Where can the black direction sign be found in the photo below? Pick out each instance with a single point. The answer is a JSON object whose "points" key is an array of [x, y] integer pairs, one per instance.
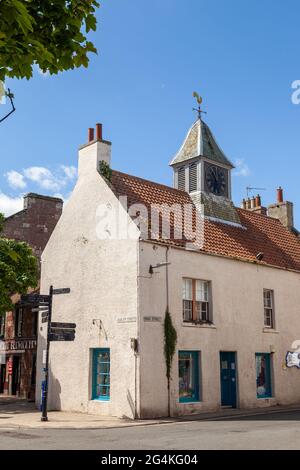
{"points": [[35, 298], [65, 290], [61, 336], [63, 325], [59, 331]]}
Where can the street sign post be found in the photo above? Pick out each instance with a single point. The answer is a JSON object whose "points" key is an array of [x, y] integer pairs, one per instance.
{"points": [[55, 332]]}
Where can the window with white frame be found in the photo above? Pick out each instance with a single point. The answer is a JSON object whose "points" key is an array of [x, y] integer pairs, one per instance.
{"points": [[268, 308], [196, 301]]}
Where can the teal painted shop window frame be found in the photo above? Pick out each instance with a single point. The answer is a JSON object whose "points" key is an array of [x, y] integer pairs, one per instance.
{"points": [[96, 353], [268, 393], [195, 376]]}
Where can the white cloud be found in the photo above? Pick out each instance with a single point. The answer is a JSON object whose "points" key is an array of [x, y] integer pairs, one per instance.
{"points": [[58, 183], [10, 205], [16, 180], [241, 168], [46, 179], [69, 171]]}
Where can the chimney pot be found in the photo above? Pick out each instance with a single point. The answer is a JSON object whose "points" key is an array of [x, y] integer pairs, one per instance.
{"points": [[99, 131], [90, 134], [279, 194], [243, 205], [252, 203], [258, 201]]}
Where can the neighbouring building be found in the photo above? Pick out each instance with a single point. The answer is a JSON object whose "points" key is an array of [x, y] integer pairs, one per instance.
{"points": [[18, 329], [130, 249]]}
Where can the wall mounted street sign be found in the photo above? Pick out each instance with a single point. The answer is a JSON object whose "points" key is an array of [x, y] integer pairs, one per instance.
{"points": [[63, 325], [65, 290]]}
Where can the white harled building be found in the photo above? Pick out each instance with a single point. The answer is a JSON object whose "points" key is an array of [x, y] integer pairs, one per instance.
{"points": [[228, 276]]}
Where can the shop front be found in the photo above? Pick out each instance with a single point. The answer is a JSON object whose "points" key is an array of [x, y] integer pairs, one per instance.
{"points": [[19, 370]]}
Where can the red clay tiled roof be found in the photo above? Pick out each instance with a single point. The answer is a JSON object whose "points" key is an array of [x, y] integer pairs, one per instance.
{"points": [[259, 233]]}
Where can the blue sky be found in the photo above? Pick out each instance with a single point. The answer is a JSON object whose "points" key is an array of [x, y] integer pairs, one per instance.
{"points": [[241, 56]]}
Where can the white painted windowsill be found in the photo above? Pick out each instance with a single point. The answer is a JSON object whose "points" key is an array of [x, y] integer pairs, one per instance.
{"points": [[270, 330], [196, 325]]}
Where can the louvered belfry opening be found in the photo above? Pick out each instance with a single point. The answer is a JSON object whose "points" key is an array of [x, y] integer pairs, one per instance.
{"points": [[193, 183], [181, 179]]}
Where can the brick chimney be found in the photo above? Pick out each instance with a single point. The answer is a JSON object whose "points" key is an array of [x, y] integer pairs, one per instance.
{"points": [[254, 205], [93, 152], [282, 210]]}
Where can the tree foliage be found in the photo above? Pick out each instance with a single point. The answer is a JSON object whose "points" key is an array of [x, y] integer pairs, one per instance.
{"points": [[170, 343], [18, 269], [51, 34]]}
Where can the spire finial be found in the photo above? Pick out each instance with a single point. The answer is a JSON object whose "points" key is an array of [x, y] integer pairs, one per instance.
{"points": [[199, 101]]}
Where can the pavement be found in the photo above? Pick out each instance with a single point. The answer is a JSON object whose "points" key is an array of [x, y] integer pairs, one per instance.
{"points": [[19, 413]]}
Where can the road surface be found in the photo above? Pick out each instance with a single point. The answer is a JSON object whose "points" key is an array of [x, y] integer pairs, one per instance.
{"points": [[280, 430]]}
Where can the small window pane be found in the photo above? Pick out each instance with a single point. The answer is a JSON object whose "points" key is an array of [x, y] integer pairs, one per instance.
{"points": [[202, 291], [187, 289], [187, 310]]}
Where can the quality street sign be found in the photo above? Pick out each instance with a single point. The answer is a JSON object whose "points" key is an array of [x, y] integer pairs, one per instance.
{"points": [[65, 290]]}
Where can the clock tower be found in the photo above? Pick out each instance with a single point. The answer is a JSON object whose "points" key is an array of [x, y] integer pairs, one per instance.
{"points": [[202, 169]]}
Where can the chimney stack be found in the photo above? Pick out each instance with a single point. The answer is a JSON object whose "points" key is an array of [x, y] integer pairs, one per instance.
{"points": [[90, 134], [99, 132], [93, 152], [254, 205], [280, 195], [282, 210]]}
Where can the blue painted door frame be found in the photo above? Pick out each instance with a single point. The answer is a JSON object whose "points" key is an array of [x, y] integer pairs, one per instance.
{"points": [[228, 378]]}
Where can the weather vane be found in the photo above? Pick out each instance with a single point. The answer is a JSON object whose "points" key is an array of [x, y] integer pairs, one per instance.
{"points": [[199, 101]]}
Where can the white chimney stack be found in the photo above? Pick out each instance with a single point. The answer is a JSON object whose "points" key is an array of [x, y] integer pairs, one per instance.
{"points": [[92, 153]]}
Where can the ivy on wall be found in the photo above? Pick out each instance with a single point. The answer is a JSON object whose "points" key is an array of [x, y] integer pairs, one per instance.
{"points": [[170, 335], [105, 170]]}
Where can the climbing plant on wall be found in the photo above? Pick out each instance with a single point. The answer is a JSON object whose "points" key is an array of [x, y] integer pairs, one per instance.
{"points": [[170, 336]]}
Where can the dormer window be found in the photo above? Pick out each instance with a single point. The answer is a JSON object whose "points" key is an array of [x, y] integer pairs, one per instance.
{"points": [[181, 179], [193, 180]]}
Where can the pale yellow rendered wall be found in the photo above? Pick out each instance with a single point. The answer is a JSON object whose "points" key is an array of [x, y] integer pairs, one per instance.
{"points": [[238, 316]]}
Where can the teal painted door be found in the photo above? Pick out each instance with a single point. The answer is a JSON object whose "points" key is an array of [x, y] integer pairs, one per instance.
{"points": [[228, 378]]}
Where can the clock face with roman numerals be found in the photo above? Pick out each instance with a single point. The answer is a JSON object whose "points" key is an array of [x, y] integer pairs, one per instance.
{"points": [[216, 180]]}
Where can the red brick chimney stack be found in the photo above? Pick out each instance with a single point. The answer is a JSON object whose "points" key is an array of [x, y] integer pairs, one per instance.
{"points": [[258, 201], [99, 131], [280, 195], [90, 134], [282, 210]]}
